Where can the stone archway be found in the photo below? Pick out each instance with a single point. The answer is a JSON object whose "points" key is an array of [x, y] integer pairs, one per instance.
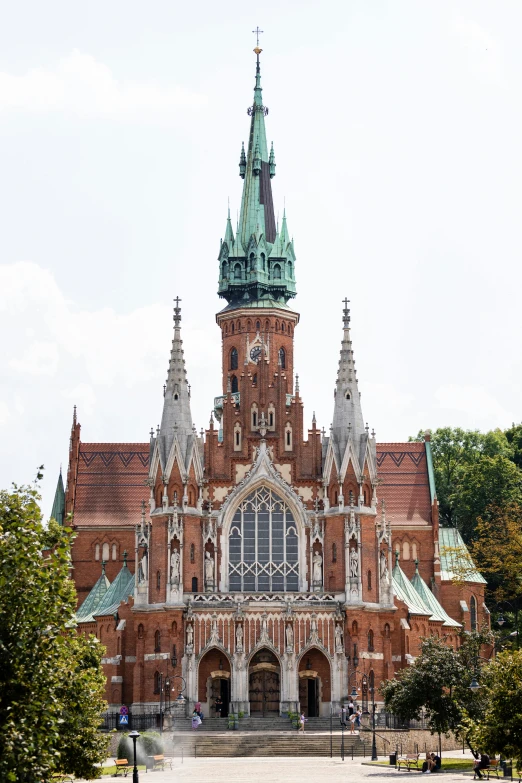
{"points": [[214, 681], [264, 684], [315, 683]]}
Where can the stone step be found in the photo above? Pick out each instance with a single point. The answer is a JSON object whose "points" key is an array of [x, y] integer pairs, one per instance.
{"points": [[275, 723], [246, 744]]}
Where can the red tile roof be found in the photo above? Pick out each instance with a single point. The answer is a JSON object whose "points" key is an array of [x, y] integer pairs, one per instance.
{"points": [[111, 483], [404, 485]]}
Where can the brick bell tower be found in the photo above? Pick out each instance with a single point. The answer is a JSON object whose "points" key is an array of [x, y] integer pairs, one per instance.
{"points": [[257, 279]]}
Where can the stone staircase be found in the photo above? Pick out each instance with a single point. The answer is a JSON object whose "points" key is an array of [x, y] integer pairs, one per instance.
{"points": [[263, 737]]}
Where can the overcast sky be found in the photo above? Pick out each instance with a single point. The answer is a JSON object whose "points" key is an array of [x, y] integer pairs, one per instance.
{"points": [[397, 130]]}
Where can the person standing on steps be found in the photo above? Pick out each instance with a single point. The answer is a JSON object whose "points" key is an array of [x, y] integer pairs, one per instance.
{"points": [[352, 719], [350, 707], [302, 721]]}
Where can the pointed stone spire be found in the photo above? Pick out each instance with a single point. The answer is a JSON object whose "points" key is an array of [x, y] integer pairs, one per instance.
{"points": [[229, 234], [176, 420], [58, 509], [348, 420]]}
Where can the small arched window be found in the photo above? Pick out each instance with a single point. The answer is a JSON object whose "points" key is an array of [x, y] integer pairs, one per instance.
{"points": [[347, 395], [233, 359], [157, 641], [288, 437], [114, 551], [283, 326], [194, 584], [282, 358], [369, 580], [174, 628], [252, 261], [355, 628], [237, 436], [234, 384], [258, 326], [156, 682], [224, 269], [158, 580], [406, 550], [387, 631], [370, 641], [336, 498], [277, 272], [232, 328], [105, 552], [263, 262], [414, 551], [97, 552], [237, 272], [254, 379], [334, 553], [289, 267], [140, 631], [254, 416], [473, 612], [192, 553]]}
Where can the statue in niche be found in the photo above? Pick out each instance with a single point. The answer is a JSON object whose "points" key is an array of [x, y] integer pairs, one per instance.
{"points": [[239, 637], [289, 633], [174, 567], [383, 566], [317, 571], [339, 645], [264, 627], [209, 570], [316, 531], [354, 562], [190, 635], [142, 568]]}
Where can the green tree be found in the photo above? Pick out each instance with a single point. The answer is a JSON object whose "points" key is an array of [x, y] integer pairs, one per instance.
{"points": [[437, 684], [514, 438], [50, 683], [499, 727]]}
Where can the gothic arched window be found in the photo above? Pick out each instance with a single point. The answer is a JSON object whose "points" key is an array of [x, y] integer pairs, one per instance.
{"points": [[263, 545], [233, 359], [157, 641], [277, 272], [105, 552], [334, 553], [237, 272], [156, 682], [235, 385], [282, 358], [370, 641], [473, 612]]}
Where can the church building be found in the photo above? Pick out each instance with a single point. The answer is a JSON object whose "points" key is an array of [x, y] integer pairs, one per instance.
{"points": [[270, 566]]}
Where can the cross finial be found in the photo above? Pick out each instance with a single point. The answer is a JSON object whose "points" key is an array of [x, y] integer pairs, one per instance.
{"points": [[177, 311], [346, 313], [257, 32]]}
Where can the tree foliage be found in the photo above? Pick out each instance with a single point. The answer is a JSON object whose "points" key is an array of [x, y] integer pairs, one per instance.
{"points": [[475, 470], [497, 551], [437, 684], [499, 728], [51, 684]]}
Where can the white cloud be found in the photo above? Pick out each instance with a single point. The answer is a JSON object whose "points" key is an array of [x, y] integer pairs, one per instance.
{"points": [[483, 54], [110, 347], [4, 413], [473, 403], [81, 85], [81, 395]]}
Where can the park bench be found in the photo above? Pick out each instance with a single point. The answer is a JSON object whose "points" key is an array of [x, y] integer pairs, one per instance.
{"points": [[494, 768], [123, 766], [409, 761], [160, 761]]}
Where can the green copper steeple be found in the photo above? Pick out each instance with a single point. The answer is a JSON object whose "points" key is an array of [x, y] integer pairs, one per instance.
{"points": [[257, 265]]}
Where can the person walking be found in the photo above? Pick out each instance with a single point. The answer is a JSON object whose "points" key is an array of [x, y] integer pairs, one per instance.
{"points": [[351, 707], [352, 719], [342, 716], [196, 720], [302, 721], [358, 714]]}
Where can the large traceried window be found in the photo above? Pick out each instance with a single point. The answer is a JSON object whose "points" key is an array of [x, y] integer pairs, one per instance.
{"points": [[263, 545]]}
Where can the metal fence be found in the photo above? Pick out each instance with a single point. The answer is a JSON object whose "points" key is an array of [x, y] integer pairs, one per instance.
{"points": [[136, 722]]}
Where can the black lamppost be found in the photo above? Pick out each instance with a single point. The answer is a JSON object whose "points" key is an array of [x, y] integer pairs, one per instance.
{"points": [[374, 743], [135, 776]]}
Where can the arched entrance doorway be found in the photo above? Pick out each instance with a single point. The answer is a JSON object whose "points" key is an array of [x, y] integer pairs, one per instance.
{"points": [[314, 684], [264, 688], [214, 683]]}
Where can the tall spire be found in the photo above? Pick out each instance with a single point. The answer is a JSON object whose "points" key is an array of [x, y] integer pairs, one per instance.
{"points": [[176, 418], [348, 420], [58, 510], [257, 264]]}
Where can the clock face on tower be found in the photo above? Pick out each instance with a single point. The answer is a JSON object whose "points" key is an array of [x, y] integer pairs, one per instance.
{"points": [[255, 353]]}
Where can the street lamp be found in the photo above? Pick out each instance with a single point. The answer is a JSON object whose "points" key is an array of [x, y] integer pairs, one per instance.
{"points": [[135, 777], [474, 686], [374, 743]]}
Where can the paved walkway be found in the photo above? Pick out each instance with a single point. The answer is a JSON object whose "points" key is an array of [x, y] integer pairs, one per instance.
{"points": [[280, 770]]}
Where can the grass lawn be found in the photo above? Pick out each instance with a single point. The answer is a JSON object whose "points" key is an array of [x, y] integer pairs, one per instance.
{"points": [[112, 769]]}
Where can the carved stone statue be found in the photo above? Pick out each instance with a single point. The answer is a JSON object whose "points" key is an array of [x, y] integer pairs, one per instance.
{"points": [[317, 572], [264, 627], [174, 567], [339, 646], [190, 635], [209, 570], [289, 632], [142, 568], [383, 566], [239, 637], [354, 562]]}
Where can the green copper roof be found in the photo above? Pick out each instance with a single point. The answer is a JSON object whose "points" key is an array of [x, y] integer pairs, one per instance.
{"points": [[257, 263], [455, 560], [93, 600], [58, 510], [429, 600], [119, 591], [405, 591]]}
